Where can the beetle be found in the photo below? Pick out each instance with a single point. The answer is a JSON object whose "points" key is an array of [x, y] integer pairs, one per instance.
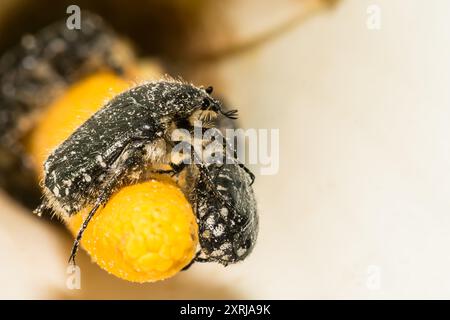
{"points": [[225, 206], [116, 145], [36, 71]]}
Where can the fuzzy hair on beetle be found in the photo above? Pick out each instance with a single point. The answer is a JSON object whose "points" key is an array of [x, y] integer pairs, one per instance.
{"points": [[119, 142], [39, 69]]}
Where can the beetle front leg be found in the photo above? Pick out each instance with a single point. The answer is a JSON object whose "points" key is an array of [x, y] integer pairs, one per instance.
{"points": [[101, 200], [119, 168], [175, 169]]}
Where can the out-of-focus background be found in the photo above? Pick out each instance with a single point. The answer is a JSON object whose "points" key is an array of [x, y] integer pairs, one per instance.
{"points": [[360, 207]]}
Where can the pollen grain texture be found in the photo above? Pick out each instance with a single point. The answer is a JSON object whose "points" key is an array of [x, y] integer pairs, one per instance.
{"points": [[146, 232]]}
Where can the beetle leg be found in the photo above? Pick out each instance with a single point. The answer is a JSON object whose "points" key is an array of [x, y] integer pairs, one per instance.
{"points": [[40, 209], [206, 176], [202, 260], [251, 174], [116, 175], [176, 169], [76, 243], [101, 200]]}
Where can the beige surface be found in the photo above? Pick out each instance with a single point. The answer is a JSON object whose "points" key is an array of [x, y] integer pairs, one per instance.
{"points": [[364, 182]]}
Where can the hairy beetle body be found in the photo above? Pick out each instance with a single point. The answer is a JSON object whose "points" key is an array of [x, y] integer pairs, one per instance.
{"points": [[118, 143]]}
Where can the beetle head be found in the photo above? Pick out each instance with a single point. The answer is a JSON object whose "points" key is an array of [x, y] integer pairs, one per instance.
{"points": [[196, 104]]}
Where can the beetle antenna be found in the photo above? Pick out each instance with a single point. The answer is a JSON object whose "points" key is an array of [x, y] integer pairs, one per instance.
{"points": [[231, 114]]}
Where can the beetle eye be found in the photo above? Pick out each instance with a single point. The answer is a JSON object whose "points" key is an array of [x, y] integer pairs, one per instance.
{"points": [[205, 104], [209, 90]]}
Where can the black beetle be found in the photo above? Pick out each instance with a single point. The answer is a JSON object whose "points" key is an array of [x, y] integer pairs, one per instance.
{"points": [[225, 205]]}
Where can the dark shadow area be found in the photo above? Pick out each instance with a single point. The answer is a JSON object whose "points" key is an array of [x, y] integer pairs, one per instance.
{"points": [[157, 27]]}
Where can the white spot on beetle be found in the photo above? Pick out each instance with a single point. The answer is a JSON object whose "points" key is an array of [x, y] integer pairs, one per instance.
{"points": [[218, 230], [217, 253], [241, 251], [100, 161], [56, 191], [210, 221], [224, 212], [224, 176], [225, 246]]}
